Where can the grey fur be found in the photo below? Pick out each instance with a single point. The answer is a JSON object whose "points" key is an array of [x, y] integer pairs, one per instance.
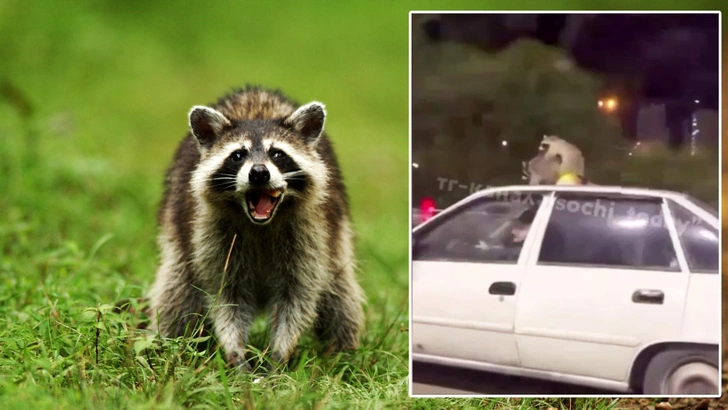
{"points": [[299, 264], [541, 171]]}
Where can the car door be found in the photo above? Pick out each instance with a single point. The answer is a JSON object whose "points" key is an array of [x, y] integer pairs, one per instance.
{"points": [[607, 280], [701, 244], [466, 274]]}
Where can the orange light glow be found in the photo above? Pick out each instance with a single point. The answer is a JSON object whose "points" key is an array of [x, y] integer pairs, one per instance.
{"points": [[609, 105]]}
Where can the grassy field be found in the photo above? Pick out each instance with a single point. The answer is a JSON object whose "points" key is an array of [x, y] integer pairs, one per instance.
{"points": [[93, 100]]}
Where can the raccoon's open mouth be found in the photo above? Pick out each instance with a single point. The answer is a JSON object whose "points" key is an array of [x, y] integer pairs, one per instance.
{"points": [[262, 203]]}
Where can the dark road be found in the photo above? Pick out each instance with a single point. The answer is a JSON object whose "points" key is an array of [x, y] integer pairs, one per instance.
{"points": [[442, 380]]}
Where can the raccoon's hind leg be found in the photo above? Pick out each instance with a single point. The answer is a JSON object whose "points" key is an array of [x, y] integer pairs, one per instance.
{"points": [[340, 313]]}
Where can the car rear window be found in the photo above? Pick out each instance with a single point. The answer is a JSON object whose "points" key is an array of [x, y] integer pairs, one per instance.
{"points": [[698, 239], [618, 232]]}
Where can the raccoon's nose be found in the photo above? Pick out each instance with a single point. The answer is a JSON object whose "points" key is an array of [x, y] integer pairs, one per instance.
{"points": [[259, 174]]}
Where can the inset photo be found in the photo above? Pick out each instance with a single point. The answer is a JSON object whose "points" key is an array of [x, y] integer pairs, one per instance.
{"points": [[565, 188]]}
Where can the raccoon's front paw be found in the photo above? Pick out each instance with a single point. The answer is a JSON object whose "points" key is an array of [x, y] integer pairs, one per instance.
{"points": [[278, 361], [269, 368], [238, 361]]}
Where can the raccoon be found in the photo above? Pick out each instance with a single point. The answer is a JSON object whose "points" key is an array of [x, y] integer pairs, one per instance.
{"points": [[558, 162], [565, 153], [255, 217]]}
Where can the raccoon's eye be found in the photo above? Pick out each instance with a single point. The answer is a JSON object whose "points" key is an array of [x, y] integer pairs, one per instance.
{"points": [[237, 155], [275, 153]]}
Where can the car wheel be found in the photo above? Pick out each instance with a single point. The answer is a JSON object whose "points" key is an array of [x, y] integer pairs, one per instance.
{"points": [[682, 372]]}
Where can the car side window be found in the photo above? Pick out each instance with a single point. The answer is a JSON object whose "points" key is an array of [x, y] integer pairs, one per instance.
{"points": [[698, 240], [487, 230], [619, 232]]}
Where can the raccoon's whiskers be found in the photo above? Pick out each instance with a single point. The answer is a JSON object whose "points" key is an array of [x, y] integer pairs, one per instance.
{"points": [[224, 176], [227, 186], [225, 181], [292, 174]]}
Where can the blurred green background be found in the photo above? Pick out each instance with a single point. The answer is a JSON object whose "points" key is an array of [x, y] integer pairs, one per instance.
{"points": [[94, 97], [93, 101]]}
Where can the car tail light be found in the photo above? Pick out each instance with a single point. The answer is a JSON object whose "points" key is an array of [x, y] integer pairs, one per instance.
{"points": [[427, 209]]}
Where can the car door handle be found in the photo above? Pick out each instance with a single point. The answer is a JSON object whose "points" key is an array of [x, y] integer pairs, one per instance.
{"points": [[502, 288], [650, 296]]}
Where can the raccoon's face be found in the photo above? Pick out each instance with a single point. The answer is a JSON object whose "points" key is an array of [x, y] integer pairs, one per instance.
{"points": [[257, 165], [547, 142]]}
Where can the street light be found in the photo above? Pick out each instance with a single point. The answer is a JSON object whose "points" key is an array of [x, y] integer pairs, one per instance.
{"points": [[609, 105]]}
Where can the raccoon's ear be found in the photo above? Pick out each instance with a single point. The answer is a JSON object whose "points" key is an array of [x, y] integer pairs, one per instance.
{"points": [[308, 121], [207, 124]]}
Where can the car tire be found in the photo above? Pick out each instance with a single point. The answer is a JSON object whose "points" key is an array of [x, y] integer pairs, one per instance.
{"points": [[683, 372]]}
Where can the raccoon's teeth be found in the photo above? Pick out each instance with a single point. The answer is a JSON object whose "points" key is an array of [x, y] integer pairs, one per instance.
{"points": [[275, 194]]}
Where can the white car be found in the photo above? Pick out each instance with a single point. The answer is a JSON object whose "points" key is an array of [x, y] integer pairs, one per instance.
{"points": [[609, 287]]}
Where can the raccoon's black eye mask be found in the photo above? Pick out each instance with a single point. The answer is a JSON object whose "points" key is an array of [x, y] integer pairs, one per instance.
{"points": [[238, 155], [276, 153]]}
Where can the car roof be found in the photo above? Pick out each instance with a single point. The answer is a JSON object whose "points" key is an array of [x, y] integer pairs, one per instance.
{"points": [[600, 189], [596, 189]]}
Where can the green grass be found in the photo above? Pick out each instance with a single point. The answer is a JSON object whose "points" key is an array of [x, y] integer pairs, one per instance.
{"points": [[108, 85]]}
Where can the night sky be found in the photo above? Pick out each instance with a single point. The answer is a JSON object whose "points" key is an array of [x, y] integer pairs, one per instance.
{"points": [[676, 55]]}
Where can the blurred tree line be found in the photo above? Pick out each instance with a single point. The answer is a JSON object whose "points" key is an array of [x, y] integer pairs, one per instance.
{"points": [[477, 115]]}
